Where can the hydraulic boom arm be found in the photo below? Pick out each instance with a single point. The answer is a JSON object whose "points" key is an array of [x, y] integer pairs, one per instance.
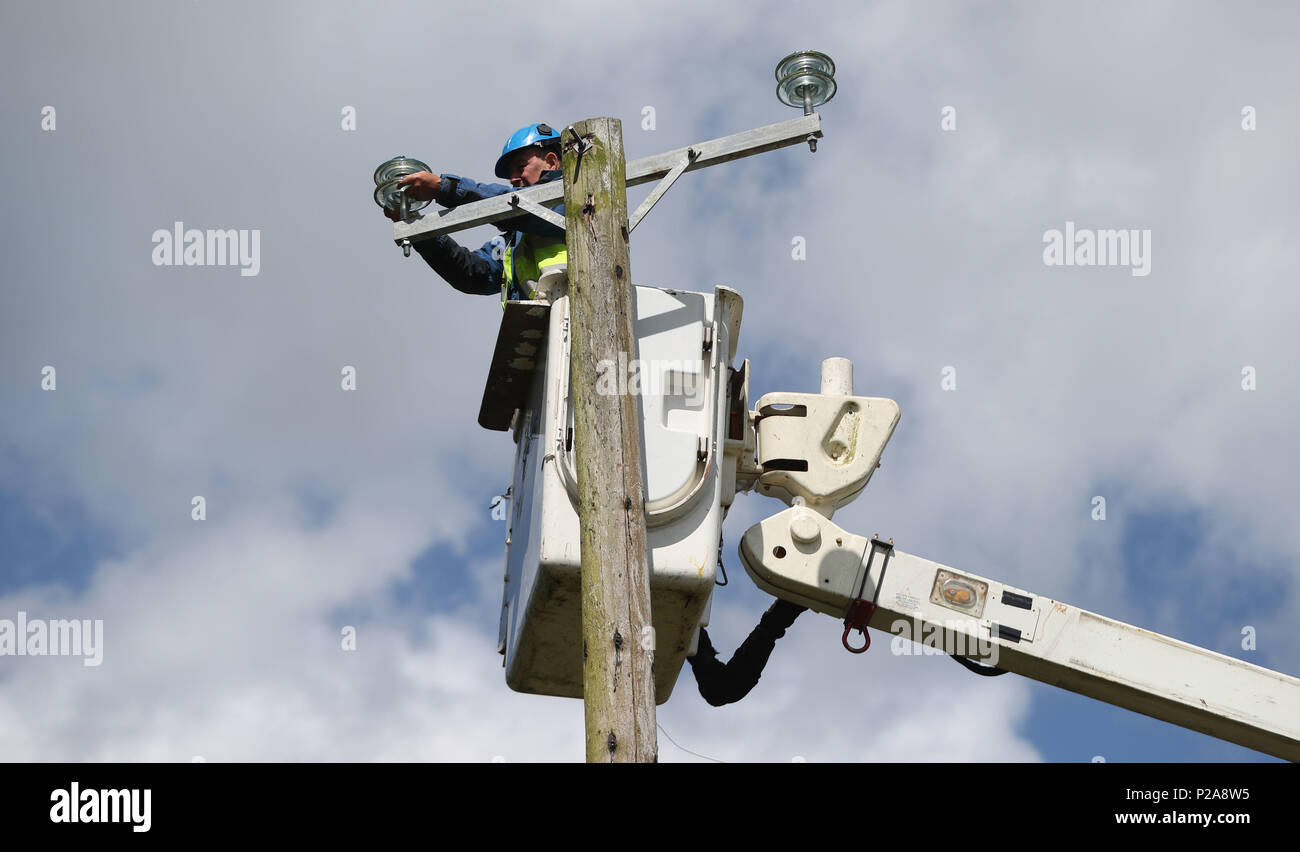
{"points": [[816, 452], [806, 558]]}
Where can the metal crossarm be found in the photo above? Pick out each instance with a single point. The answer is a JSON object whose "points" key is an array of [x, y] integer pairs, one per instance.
{"points": [[712, 153]]}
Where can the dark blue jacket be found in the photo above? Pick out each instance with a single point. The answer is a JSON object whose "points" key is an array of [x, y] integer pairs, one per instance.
{"points": [[479, 272]]}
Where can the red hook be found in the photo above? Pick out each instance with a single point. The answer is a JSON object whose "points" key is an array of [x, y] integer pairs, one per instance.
{"points": [[860, 612], [866, 641]]}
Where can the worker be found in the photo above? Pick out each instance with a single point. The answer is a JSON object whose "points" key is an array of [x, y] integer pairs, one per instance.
{"points": [[724, 683], [511, 264]]}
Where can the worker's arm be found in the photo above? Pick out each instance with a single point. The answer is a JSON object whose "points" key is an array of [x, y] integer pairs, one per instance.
{"points": [[474, 272], [724, 683], [454, 191]]}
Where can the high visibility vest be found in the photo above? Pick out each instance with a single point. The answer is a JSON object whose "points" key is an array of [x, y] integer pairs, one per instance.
{"points": [[525, 262]]}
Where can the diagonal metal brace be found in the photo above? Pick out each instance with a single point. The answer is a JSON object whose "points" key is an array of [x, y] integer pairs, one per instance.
{"points": [[653, 198], [537, 210]]}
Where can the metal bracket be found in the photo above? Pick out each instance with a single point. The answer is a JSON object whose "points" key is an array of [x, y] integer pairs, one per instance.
{"points": [[821, 447], [544, 213], [579, 144], [861, 610], [653, 198]]}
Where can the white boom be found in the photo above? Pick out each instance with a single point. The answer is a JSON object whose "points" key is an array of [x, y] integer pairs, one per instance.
{"points": [[816, 452], [826, 568]]}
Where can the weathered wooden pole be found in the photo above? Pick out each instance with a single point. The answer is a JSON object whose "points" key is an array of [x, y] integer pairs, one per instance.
{"points": [[617, 633]]}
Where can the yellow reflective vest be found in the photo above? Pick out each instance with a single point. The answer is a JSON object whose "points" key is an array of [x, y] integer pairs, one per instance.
{"points": [[525, 262]]}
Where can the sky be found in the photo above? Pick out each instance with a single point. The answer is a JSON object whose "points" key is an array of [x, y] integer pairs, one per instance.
{"points": [[960, 135]]}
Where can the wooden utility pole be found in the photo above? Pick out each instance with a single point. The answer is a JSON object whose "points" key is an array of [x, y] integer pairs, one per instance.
{"points": [[617, 633]]}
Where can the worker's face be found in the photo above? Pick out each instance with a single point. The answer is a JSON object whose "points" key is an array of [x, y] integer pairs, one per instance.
{"points": [[525, 167]]}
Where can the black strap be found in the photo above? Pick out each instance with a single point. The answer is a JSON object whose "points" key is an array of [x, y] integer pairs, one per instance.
{"points": [[983, 671]]}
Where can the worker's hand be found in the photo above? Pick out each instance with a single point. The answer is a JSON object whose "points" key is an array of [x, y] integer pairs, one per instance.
{"points": [[391, 214], [422, 186]]}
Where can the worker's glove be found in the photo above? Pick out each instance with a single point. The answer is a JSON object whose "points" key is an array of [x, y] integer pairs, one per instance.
{"points": [[422, 186], [779, 616]]}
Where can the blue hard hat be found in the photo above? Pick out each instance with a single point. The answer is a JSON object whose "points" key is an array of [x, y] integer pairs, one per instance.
{"points": [[524, 137]]}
